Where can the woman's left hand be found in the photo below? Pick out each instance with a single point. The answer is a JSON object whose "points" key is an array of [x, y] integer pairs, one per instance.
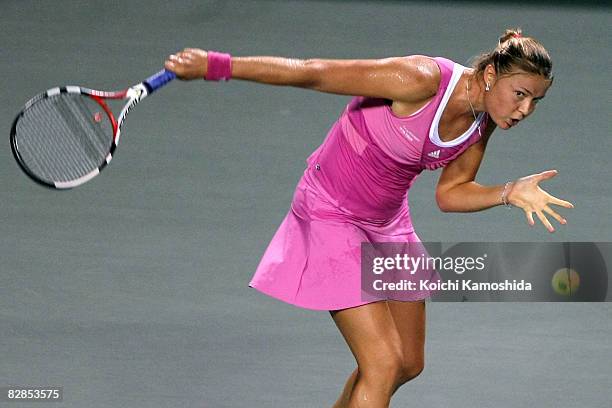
{"points": [[527, 194]]}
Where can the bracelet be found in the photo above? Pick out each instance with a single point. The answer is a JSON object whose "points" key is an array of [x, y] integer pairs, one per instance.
{"points": [[219, 66], [503, 196]]}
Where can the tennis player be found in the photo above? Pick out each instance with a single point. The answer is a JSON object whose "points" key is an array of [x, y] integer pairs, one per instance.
{"points": [[409, 114]]}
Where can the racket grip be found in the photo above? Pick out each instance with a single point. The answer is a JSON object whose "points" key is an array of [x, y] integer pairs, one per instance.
{"points": [[158, 80]]}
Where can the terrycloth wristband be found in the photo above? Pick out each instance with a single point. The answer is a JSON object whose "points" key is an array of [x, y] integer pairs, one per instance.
{"points": [[219, 66]]}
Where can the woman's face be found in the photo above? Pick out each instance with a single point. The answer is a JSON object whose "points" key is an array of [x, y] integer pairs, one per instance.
{"points": [[513, 97]]}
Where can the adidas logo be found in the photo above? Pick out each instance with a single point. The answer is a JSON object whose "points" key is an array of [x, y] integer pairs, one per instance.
{"points": [[435, 154]]}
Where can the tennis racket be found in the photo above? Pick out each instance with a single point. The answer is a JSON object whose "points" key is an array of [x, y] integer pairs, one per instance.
{"points": [[65, 136]]}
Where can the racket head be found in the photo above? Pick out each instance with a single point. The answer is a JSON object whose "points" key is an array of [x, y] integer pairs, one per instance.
{"points": [[65, 136]]}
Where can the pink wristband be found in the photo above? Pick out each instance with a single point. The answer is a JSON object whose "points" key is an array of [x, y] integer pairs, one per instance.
{"points": [[219, 66]]}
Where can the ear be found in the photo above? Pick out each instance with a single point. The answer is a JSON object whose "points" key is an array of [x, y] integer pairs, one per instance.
{"points": [[489, 74]]}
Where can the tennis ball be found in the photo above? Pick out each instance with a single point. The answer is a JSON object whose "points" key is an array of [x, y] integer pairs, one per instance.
{"points": [[566, 281]]}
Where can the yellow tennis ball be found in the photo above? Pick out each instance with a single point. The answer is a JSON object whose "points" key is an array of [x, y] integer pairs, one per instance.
{"points": [[566, 281]]}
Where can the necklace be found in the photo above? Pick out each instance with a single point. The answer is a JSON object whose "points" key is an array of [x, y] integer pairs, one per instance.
{"points": [[467, 92]]}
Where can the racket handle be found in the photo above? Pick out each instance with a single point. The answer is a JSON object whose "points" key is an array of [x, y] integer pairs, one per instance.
{"points": [[158, 80]]}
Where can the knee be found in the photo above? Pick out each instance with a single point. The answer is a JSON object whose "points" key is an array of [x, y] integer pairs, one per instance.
{"points": [[410, 369], [386, 371], [394, 370]]}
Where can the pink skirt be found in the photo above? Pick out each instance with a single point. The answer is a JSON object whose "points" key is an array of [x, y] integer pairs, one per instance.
{"points": [[314, 258]]}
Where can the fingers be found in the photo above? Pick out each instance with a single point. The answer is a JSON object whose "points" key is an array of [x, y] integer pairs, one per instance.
{"points": [[529, 215], [179, 63], [545, 221], [181, 57], [559, 202], [533, 199], [556, 216], [190, 63], [547, 174], [174, 60], [172, 63], [169, 65], [191, 54]]}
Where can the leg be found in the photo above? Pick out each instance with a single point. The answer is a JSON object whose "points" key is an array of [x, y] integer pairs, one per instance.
{"points": [[372, 337], [343, 400], [409, 318]]}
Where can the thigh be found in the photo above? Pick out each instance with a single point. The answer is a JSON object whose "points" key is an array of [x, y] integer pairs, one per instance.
{"points": [[409, 319], [370, 333]]}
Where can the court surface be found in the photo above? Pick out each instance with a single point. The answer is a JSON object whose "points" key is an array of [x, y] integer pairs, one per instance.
{"points": [[131, 291]]}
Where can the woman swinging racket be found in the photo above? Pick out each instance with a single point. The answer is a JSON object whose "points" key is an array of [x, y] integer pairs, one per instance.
{"points": [[410, 114]]}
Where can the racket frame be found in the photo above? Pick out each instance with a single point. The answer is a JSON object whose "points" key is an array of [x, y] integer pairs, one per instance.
{"points": [[133, 95]]}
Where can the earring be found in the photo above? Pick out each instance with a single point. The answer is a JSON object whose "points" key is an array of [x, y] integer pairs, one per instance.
{"points": [[487, 87]]}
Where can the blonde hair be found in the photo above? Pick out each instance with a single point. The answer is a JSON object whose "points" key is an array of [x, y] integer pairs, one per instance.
{"points": [[516, 53]]}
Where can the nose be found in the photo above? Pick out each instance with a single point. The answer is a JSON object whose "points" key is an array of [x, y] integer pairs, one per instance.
{"points": [[525, 109]]}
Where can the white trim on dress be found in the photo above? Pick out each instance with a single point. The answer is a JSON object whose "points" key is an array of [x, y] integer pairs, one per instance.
{"points": [[434, 136]]}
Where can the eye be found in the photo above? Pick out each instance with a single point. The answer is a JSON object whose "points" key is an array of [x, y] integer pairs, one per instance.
{"points": [[519, 93]]}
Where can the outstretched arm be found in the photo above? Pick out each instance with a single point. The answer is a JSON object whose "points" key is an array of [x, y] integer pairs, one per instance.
{"points": [[407, 79], [458, 192]]}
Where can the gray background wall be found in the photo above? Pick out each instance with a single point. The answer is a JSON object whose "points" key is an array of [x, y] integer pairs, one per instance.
{"points": [[132, 290]]}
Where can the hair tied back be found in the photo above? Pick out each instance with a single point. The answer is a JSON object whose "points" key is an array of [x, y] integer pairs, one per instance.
{"points": [[516, 53]]}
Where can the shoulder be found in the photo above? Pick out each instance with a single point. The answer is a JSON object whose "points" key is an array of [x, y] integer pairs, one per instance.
{"points": [[424, 73]]}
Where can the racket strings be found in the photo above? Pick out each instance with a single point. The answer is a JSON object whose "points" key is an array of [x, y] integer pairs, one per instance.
{"points": [[47, 156], [64, 137]]}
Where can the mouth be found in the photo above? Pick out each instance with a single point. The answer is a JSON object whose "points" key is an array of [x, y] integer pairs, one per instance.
{"points": [[512, 122]]}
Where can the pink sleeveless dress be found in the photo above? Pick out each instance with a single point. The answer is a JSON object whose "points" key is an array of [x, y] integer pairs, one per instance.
{"points": [[354, 190]]}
